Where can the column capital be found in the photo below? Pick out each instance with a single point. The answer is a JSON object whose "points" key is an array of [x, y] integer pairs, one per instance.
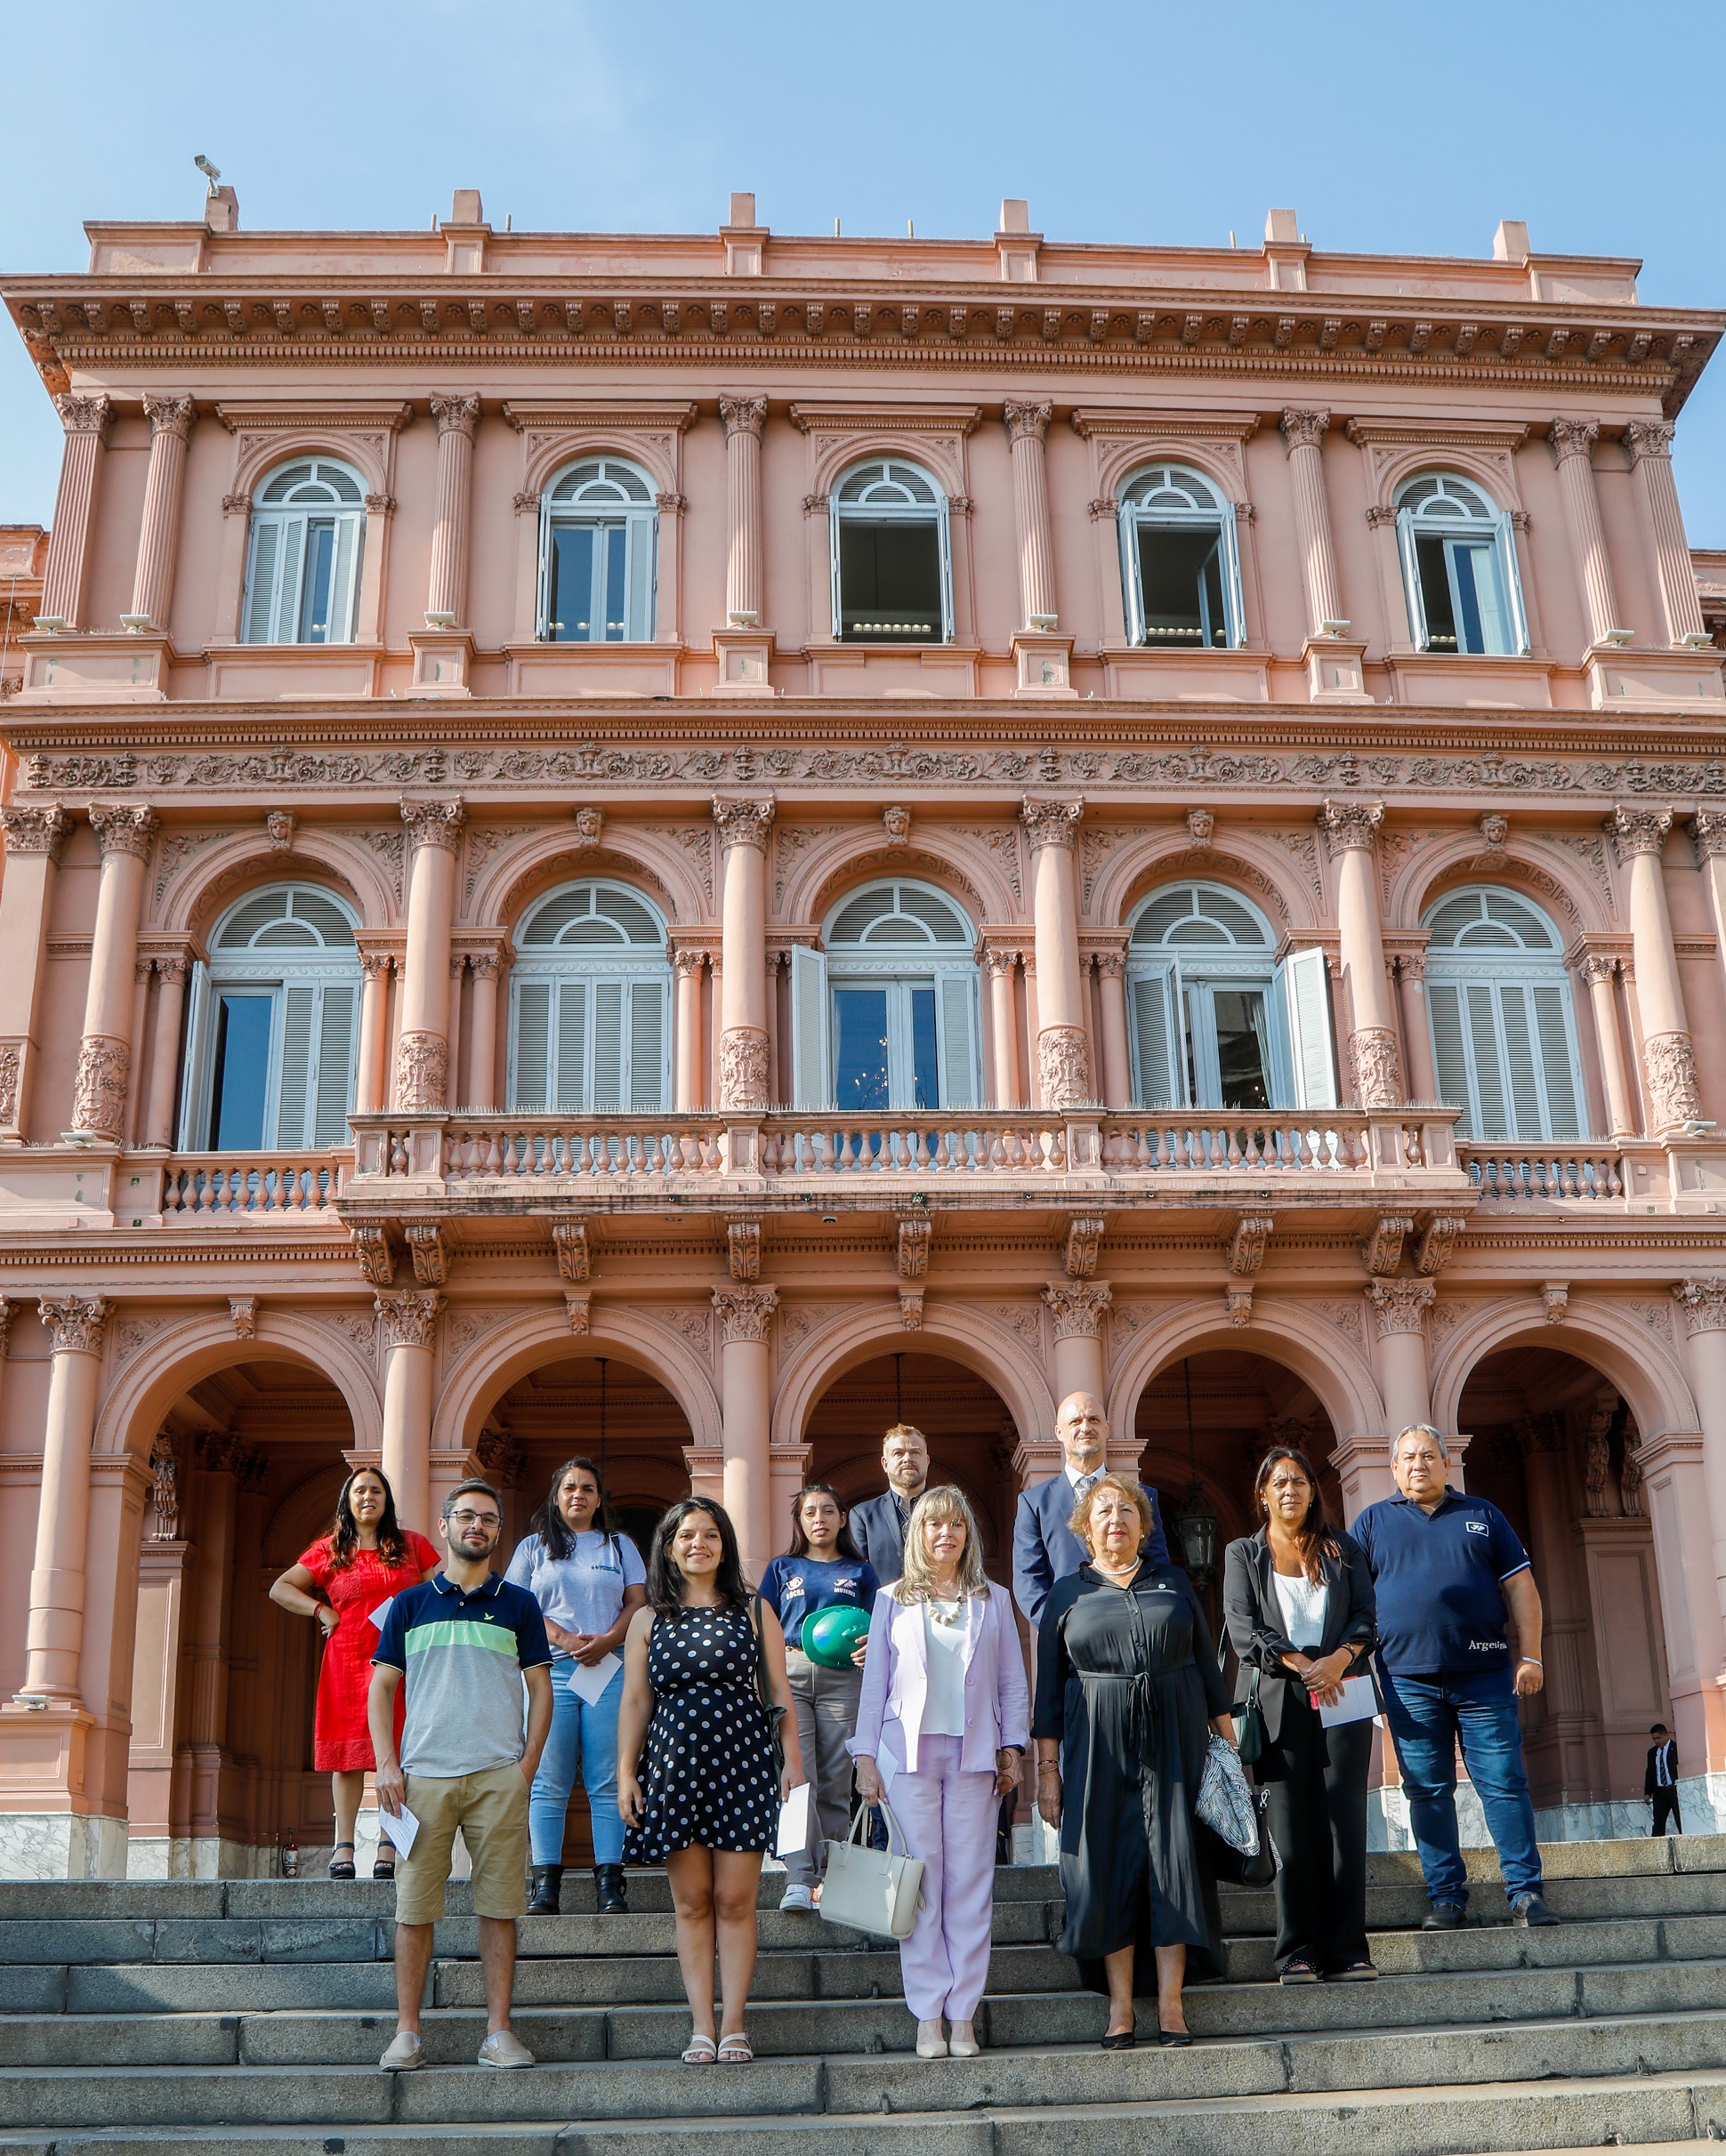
{"points": [[1708, 830], [1026, 422], [745, 1314], [457, 414], [434, 823], [1703, 1303], [1351, 825], [35, 828], [1572, 437], [1598, 966], [1000, 960], [1052, 822], [124, 827], [171, 416], [1400, 1306], [485, 965], [1637, 831], [1111, 965], [1648, 438], [1078, 1307], [410, 1316], [1304, 429], [743, 414], [76, 1323], [688, 959], [743, 822], [85, 414]]}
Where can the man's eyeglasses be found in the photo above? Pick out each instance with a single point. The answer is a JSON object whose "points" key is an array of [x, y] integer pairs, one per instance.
{"points": [[473, 1519]]}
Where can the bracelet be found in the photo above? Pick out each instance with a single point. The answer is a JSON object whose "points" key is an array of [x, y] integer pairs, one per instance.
{"points": [[1534, 1659]]}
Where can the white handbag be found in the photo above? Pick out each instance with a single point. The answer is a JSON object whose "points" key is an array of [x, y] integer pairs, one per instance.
{"points": [[872, 1890]]}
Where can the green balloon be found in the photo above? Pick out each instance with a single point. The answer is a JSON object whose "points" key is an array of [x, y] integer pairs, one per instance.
{"points": [[831, 1637]]}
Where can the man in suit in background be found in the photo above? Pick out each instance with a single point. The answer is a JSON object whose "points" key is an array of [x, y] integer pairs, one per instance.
{"points": [[1044, 1548], [1660, 1783], [878, 1524]]}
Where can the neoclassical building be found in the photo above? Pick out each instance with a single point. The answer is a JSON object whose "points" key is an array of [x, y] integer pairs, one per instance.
{"points": [[675, 847]]}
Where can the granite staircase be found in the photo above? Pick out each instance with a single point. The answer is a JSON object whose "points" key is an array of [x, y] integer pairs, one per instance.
{"points": [[249, 2015]]}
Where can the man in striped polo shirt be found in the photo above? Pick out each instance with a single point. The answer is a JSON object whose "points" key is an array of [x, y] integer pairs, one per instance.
{"points": [[465, 1639]]}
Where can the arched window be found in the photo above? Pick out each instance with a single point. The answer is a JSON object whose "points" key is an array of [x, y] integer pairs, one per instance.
{"points": [[1504, 1027], [599, 537], [892, 567], [1217, 1022], [1459, 568], [308, 533], [887, 1017], [1180, 559], [590, 1003], [273, 1027]]}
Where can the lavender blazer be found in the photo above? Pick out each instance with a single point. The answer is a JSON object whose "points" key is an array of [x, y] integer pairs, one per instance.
{"points": [[895, 1681]]}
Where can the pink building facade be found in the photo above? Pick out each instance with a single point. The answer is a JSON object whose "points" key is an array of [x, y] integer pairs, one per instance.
{"points": [[677, 846]]}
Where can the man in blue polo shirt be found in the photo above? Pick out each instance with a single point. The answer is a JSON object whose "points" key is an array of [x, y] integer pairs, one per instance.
{"points": [[1448, 1570]]}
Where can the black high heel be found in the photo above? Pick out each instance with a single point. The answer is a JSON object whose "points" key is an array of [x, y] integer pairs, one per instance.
{"points": [[338, 1868]]}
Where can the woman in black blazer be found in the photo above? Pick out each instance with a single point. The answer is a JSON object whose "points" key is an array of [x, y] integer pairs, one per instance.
{"points": [[1302, 1614]]}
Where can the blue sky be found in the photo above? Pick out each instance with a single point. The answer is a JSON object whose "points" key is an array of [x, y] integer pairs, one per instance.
{"points": [[1388, 126]]}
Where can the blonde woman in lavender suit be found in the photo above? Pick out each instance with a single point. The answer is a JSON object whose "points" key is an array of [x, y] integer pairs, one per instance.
{"points": [[945, 1707]]}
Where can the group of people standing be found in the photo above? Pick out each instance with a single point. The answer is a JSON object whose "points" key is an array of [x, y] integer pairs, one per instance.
{"points": [[691, 1707]]}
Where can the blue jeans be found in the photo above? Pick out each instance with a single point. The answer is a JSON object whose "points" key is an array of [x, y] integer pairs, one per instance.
{"points": [[1428, 1717], [582, 1737]]}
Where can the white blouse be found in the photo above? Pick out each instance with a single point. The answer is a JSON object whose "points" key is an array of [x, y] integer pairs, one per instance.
{"points": [[1303, 1608], [944, 1630]]}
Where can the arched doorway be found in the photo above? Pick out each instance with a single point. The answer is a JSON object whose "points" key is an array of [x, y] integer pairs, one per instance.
{"points": [[1553, 1443]]}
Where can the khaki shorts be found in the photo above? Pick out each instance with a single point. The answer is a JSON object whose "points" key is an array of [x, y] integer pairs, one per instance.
{"points": [[491, 1809]]}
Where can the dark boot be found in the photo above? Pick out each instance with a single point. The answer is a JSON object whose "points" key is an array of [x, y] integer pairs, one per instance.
{"points": [[548, 1885], [608, 1890]]}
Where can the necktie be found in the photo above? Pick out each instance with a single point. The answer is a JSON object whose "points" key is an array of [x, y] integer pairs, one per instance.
{"points": [[1082, 1488]]}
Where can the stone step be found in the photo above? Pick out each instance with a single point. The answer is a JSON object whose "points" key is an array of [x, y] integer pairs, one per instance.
{"points": [[796, 2027], [1065, 2083]]}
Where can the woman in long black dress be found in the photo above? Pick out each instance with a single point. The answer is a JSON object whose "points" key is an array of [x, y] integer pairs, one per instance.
{"points": [[697, 1784], [1127, 1694]]}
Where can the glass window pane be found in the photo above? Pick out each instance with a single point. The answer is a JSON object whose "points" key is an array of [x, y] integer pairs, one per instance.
{"points": [[319, 573], [1465, 565], [925, 1058], [1242, 1047], [242, 1072], [570, 602], [1180, 584], [1435, 595], [859, 1048], [617, 585], [890, 582]]}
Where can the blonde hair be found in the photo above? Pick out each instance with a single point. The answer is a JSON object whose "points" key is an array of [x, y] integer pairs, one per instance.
{"points": [[1124, 1486], [904, 1430], [915, 1583]]}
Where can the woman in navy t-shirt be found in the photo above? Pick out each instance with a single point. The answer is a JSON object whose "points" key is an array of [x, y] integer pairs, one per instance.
{"points": [[821, 1570]]}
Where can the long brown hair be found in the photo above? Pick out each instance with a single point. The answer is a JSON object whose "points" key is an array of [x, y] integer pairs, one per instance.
{"points": [[1315, 1538], [844, 1545], [344, 1536]]}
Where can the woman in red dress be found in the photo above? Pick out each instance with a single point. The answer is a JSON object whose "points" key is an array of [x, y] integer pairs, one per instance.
{"points": [[366, 1560]]}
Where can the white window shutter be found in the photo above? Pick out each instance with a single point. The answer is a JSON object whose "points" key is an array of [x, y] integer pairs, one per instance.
{"points": [[195, 1076], [607, 1046], [543, 605], [1519, 1053], [958, 1043], [1235, 597], [1479, 1005], [335, 1044], [640, 620], [1512, 574], [945, 543], [260, 611], [1127, 531], [530, 1058], [344, 579], [1444, 1011], [833, 551], [1306, 1007], [811, 1086], [284, 615], [1417, 630], [293, 1093], [646, 1044], [1153, 1040], [1558, 1065], [571, 1090]]}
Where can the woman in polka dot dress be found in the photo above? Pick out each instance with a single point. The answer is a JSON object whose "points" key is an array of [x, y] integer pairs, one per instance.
{"points": [[696, 1783]]}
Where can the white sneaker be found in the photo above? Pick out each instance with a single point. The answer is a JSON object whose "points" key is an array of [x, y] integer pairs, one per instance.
{"points": [[504, 2047], [797, 1898]]}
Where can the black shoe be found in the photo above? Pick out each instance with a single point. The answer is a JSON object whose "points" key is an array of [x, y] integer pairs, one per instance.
{"points": [[1122, 2040], [1175, 2038], [1530, 1909], [608, 1890], [1445, 1915], [548, 1886], [342, 1867]]}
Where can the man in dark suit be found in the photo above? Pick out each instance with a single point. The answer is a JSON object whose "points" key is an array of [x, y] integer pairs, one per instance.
{"points": [[878, 1525], [1044, 1548], [1660, 1782]]}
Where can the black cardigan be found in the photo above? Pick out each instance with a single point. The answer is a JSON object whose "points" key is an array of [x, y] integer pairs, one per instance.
{"points": [[1254, 1616]]}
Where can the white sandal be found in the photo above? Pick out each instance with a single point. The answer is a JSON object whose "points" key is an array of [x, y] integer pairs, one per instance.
{"points": [[699, 2051], [735, 2050]]}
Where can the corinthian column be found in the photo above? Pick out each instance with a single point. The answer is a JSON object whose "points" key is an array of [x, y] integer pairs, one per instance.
{"points": [[446, 591], [1573, 448], [1599, 972], [1704, 1305], [1117, 1056], [34, 836], [1026, 426], [410, 1334], [690, 964], [1303, 434], [745, 1317], [159, 537], [434, 832], [54, 1637], [1400, 1308], [1063, 1047], [743, 828], [1076, 1307], [86, 421], [1708, 832], [1003, 1024], [1351, 831], [124, 831], [743, 418], [164, 1050], [1647, 443], [1639, 837]]}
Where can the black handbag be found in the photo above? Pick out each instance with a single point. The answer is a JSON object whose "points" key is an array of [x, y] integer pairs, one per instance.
{"points": [[775, 1714], [1249, 1724]]}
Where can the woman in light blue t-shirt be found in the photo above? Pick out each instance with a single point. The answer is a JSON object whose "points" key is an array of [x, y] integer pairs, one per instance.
{"points": [[589, 1581]]}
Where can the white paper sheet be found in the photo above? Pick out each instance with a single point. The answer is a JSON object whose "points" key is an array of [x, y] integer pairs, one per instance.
{"points": [[401, 1828], [588, 1684], [793, 1822], [1357, 1704], [381, 1611]]}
